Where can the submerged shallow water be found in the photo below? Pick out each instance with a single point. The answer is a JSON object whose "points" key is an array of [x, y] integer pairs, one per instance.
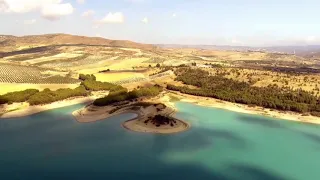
{"points": [[221, 145]]}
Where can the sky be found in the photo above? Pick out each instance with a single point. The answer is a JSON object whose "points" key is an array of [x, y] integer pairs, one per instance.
{"points": [[196, 22]]}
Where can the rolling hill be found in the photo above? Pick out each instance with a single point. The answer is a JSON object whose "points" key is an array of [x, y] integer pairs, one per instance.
{"points": [[10, 43]]}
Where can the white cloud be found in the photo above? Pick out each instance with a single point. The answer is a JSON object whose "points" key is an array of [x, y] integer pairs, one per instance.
{"points": [[24, 6], [55, 11], [81, 1], [311, 38], [116, 17], [29, 22], [174, 15], [234, 41], [50, 9], [98, 35], [88, 13], [145, 20]]}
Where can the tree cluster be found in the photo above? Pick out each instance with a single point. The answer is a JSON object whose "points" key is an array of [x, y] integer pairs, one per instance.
{"points": [[241, 92], [47, 96], [123, 95], [18, 96], [84, 77], [163, 120], [93, 85], [35, 97]]}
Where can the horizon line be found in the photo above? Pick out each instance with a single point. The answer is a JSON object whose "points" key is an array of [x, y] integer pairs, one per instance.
{"points": [[170, 44]]}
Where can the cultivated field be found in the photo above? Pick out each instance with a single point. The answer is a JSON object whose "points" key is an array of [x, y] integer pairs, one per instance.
{"points": [[10, 73], [112, 77], [59, 59], [11, 87]]}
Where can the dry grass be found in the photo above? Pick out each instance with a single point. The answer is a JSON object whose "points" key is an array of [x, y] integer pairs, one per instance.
{"points": [[94, 68], [110, 77], [131, 49], [222, 55], [229, 55], [127, 63], [131, 86]]}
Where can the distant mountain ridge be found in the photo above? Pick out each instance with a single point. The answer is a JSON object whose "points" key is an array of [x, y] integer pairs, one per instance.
{"points": [[298, 50], [10, 42], [60, 39]]}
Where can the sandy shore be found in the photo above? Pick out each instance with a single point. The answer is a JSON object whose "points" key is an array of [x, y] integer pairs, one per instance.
{"points": [[95, 113], [216, 103], [24, 109]]}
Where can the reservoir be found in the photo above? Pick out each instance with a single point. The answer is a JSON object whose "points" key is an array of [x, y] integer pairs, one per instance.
{"points": [[221, 144]]}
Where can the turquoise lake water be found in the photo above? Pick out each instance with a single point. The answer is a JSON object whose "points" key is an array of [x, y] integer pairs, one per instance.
{"points": [[221, 145]]}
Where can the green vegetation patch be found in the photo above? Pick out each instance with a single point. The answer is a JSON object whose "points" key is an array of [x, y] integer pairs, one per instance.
{"points": [[18, 96], [36, 97], [100, 86], [47, 96], [90, 83], [241, 92], [160, 120], [123, 95]]}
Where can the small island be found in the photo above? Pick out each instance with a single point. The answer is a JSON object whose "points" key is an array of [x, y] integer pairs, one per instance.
{"points": [[153, 116], [156, 118]]}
